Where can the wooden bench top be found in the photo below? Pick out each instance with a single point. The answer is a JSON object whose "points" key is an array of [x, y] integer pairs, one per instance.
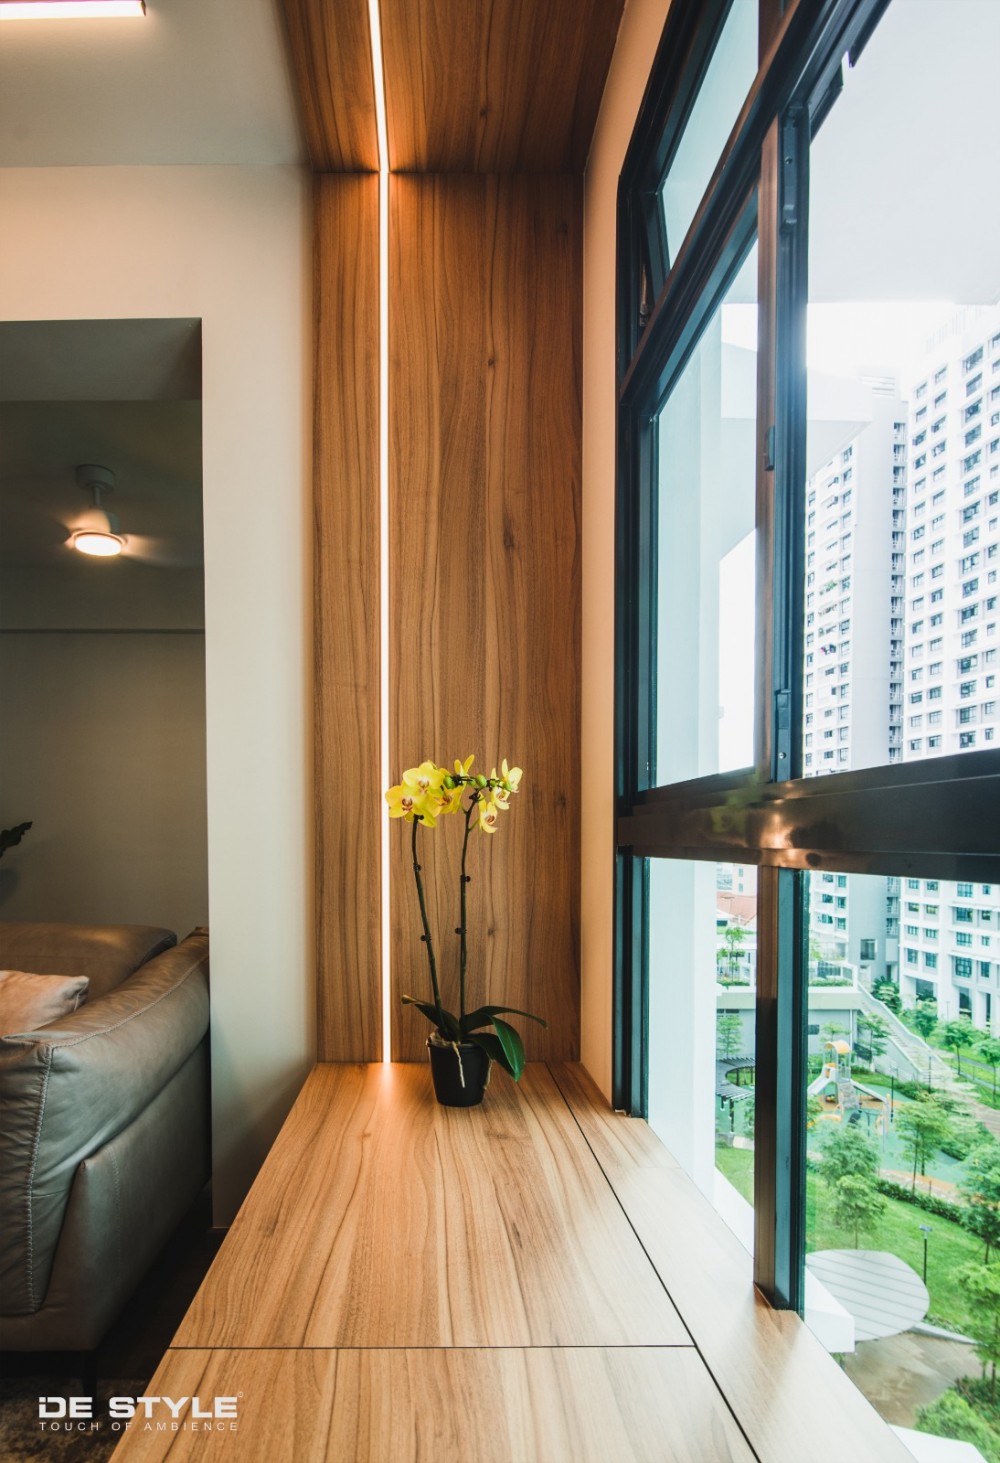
{"points": [[535, 1279]]}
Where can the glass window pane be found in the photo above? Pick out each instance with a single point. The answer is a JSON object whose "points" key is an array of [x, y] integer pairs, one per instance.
{"points": [[702, 970], [903, 491], [706, 462], [729, 77], [901, 1171]]}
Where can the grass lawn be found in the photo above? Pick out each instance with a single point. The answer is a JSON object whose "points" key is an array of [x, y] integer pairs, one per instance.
{"points": [[737, 1166], [898, 1231]]}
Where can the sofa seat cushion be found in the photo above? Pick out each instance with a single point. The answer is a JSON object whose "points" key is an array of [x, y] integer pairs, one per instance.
{"points": [[106, 954], [28, 1001]]}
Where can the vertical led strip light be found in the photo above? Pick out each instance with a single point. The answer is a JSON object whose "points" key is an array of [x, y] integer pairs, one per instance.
{"points": [[375, 24]]}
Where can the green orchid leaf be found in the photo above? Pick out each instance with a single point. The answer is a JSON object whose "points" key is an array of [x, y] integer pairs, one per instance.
{"points": [[512, 1045], [485, 1014], [493, 1047], [426, 1008]]}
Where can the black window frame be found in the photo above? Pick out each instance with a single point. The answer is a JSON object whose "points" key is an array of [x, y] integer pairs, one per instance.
{"points": [[928, 819]]}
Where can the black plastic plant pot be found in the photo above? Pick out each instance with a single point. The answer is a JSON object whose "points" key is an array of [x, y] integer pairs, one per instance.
{"points": [[461, 1074]]}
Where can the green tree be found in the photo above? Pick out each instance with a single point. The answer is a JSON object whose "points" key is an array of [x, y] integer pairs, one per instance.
{"points": [[951, 1416], [887, 991], [981, 1190], [876, 1031], [728, 1034], [989, 1051], [730, 953], [857, 1204], [957, 1035], [980, 1286], [847, 1153], [923, 1125], [925, 1015]]}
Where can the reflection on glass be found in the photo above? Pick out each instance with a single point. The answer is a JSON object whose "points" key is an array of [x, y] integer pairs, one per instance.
{"points": [[706, 444], [903, 1176], [702, 987], [727, 81]]}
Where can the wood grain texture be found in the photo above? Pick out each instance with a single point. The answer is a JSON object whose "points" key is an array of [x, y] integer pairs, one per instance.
{"points": [[567, 1405], [348, 797], [484, 504], [382, 1219], [776, 1376], [329, 44], [495, 86]]}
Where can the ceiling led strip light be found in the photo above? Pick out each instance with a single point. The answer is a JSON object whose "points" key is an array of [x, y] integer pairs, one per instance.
{"points": [[71, 9]]}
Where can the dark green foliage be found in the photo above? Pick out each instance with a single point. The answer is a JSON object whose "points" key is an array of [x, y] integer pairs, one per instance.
{"points": [[953, 1416], [887, 991]]}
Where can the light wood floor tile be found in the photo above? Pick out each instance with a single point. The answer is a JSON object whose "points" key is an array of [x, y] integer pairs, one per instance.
{"points": [[543, 1405]]}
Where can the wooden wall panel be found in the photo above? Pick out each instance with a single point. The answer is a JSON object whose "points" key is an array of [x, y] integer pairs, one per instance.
{"points": [[329, 43], [485, 290], [499, 86], [348, 796]]}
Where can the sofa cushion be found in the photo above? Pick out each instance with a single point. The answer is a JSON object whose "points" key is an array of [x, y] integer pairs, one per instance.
{"points": [[106, 954], [28, 1001], [69, 1089]]}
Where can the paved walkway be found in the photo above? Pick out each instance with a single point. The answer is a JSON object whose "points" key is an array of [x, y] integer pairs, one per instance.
{"points": [[900, 1374]]}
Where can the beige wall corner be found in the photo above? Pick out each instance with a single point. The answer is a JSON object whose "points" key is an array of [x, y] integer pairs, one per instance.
{"points": [[638, 37]]}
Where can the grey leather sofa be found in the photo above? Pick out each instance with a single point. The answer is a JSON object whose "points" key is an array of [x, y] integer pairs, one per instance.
{"points": [[104, 1127]]}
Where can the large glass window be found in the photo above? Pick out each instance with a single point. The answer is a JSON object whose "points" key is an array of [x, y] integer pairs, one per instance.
{"points": [[702, 1036], [730, 73], [902, 307], [706, 459], [807, 769]]}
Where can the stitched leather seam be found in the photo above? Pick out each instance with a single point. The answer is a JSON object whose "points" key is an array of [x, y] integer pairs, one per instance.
{"points": [[29, 1197], [106, 1030], [118, 1206]]}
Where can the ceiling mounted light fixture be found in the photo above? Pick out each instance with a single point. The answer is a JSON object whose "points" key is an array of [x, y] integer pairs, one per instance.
{"points": [[99, 537], [71, 9]]}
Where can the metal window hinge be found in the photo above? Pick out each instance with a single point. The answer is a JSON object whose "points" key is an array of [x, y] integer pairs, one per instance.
{"points": [[782, 734], [790, 172]]}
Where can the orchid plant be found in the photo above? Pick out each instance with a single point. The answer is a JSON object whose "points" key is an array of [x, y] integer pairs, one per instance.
{"points": [[426, 794]]}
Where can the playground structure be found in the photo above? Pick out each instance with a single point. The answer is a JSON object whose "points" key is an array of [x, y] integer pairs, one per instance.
{"points": [[838, 1092]]}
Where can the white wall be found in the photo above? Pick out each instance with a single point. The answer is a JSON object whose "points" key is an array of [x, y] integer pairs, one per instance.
{"points": [[638, 37], [102, 743], [231, 245]]}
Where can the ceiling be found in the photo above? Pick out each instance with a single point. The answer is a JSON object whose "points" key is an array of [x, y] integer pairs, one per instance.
{"points": [[154, 450], [195, 81], [124, 394], [471, 85]]}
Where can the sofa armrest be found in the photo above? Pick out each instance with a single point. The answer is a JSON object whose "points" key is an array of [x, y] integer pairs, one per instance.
{"points": [[68, 1089]]}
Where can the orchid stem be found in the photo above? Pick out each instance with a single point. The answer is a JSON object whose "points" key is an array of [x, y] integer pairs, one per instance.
{"points": [[427, 933], [461, 923]]}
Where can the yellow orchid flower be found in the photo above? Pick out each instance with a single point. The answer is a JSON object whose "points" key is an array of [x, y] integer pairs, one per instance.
{"points": [[462, 768], [489, 818], [406, 802], [509, 780], [450, 800], [426, 778]]}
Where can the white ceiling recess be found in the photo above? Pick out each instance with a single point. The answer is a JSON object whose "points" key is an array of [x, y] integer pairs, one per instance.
{"points": [[192, 82]]}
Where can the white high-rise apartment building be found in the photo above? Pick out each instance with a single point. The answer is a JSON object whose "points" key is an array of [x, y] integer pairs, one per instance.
{"points": [[853, 656], [950, 933]]}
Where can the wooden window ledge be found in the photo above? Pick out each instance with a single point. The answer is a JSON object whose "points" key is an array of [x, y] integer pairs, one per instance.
{"points": [[534, 1280]]}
